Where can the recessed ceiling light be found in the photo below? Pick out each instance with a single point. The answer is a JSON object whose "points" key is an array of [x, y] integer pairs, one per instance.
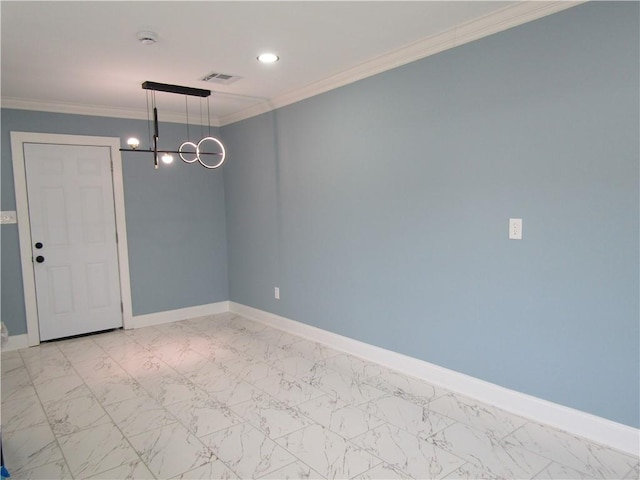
{"points": [[268, 58]]}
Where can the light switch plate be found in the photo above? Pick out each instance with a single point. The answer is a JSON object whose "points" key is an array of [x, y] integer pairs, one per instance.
{"points": [[8, 217], [515, 229]]}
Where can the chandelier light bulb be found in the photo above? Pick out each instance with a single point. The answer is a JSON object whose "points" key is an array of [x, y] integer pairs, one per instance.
{"points": [[133, 143], [167, 159]]}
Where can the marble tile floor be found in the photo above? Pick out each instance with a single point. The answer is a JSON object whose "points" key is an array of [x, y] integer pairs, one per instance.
{"points": [[222, 397]]}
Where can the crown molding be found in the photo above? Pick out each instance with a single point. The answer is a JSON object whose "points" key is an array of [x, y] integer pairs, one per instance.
{"points": [[95, 110], [498, 21]]}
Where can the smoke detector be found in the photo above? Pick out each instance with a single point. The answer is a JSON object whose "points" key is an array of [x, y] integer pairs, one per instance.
{"points": [[147, 38]]}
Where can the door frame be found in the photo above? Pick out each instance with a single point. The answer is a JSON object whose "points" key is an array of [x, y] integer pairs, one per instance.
{"points": [[24, 225]]}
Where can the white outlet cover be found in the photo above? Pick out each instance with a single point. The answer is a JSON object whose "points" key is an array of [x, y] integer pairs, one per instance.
{"points": [[515, 229]]}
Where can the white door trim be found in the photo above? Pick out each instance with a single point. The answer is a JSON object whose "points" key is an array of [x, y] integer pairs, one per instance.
{"points": [[24, 227]]}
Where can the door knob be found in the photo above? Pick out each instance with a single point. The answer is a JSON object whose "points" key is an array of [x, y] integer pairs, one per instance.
{"points": [[39, 259], [39, 245]]}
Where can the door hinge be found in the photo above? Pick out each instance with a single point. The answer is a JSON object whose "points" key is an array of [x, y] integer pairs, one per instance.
{"points": [[121, 307], [111, 162], [116, 237]]}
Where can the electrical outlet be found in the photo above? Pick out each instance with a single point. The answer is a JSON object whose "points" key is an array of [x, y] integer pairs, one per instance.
{"points": [[276, 293], [515, 229]]}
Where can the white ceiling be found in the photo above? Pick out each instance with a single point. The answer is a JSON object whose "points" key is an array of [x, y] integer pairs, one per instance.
{"points": [[84, 57]]}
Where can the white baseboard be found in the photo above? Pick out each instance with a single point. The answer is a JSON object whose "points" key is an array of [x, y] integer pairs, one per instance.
{"points": [[592, 427], [169, 316], [16, 342]]}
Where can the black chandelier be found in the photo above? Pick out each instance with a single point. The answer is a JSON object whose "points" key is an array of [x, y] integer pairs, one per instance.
{"points": [[188, 151]]}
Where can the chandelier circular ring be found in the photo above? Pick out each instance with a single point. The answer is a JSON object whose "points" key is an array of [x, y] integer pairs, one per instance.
{"points": [[215, 140], [195, 147]]}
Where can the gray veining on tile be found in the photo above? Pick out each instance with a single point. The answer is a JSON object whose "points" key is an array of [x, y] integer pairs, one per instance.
{"points": [[138, 415], [293, 471], [487, 453], [328, 453], [167, 401], [408, 453], [96, 450], [171, 450], [247, 451], [566, 449]]}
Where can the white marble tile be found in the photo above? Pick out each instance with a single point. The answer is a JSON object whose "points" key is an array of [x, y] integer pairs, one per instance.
{"points": [[265, 352], [245, 325], [170, 388], [409, 416], [488, 453], [212, 348], [143, 365], [10, 361], [147, 336], [51, 471], [404, 386], [16, 384], [634, 473], [29, 448], [72, 415], [407, 452], [213, 470], [328, 453], [278, 338], [22, 413], [384, 471], [311, 350], [99, 367], [302, 368], [201, 370], [469, 471], [287, 389], [41, 370], [139, 415], [237, 362], [15, 392], [270, 416], [489, 419], [108, 340], [80, 349], [177, 354], [293, 471], [345, 420], [247, 451], [96, 450], [133, 470], [347, 388], [202, 416], [556, 471], [42, 352], [115, 388], [69, 386], [574, 452], [171, 450], [230, 389], [354, 366], [255, 371]]}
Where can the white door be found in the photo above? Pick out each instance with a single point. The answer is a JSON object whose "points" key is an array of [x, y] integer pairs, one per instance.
{"points": [[72, 219]]}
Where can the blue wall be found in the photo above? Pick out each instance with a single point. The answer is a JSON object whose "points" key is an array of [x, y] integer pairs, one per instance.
{"points": [[175, 219], [381, 208]]}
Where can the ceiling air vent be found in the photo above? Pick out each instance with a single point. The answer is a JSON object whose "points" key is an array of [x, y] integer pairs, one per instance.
{"points": [[222, 78]]}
